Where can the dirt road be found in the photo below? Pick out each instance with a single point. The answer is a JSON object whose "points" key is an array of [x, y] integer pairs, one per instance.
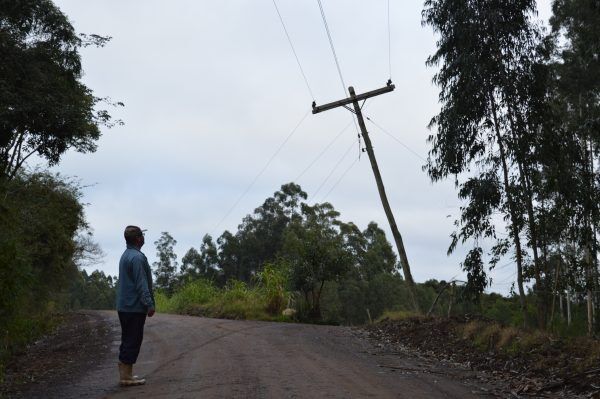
{"points": [[191, 357]]}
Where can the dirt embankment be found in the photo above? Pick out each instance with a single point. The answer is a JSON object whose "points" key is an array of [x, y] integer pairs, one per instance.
{"points": [[530, 363]]}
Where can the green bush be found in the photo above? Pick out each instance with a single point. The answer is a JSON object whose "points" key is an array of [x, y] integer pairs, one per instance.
{"points": [[40, 215], [274, 279], [235, 301]]}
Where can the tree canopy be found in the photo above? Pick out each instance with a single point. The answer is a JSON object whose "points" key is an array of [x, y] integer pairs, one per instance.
{"points": [[45, 109]]}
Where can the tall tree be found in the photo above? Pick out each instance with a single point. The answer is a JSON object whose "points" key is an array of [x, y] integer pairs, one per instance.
{"points": [[203, 264], [260, 235], [486, 52], [165, 268], [576, 33], [44, 107], [313, 247]]}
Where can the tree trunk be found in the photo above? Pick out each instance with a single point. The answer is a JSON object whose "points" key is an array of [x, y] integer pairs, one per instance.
{"points": [[524, 179], [568, 308], [555, 291], [512, 211]]}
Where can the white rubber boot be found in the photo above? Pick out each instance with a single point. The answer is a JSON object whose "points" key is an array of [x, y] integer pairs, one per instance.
{"points": [[126, 377]]}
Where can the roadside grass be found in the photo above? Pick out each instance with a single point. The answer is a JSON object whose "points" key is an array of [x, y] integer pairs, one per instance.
{"points": [[234, 301], [490, 336], [397, 315]]}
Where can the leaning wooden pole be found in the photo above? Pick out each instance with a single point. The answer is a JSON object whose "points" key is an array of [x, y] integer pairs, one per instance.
{"points": [[354, 99], [386, 205]]}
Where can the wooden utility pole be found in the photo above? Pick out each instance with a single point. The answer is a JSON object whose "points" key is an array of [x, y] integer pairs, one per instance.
{"points": [[354, 99]]}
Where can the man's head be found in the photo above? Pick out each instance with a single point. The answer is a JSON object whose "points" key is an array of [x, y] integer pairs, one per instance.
{"points": [[134, 236]]}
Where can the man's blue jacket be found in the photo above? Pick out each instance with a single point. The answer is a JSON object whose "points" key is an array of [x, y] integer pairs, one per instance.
{"points": [[134, 292]]}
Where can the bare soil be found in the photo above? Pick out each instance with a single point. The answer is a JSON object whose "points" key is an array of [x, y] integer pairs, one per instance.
{"points": [[191, 357], [78, 345], [554, 368]]}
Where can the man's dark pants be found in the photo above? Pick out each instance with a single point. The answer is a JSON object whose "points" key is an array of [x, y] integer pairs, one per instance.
{"points": [[132, 334]]}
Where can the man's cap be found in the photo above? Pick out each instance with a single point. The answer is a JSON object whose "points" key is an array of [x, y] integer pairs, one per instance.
{"points": [[133, 231]]}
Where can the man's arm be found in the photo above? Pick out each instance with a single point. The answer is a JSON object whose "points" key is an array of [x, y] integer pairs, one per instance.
{"points": [[141, 284]]}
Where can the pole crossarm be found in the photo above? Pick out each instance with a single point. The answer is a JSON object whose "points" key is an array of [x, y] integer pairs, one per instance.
{"points": [[340, 103], [354, 99]]}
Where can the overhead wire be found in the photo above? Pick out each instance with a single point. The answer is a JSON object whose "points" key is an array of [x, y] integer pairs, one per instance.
{"points": [[333, 170], [507, 279], [340, 178], [294, 51], [310, 165], [395, 138], [249, 187], [337, 63]]}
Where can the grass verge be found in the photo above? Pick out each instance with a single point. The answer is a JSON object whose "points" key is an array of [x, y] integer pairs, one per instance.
{"points": [[235, 301]]}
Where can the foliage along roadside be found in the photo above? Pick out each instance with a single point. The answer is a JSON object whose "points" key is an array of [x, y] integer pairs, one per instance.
{"points": [[43, 236], [518, 134], [42, 225], [264, 301]]}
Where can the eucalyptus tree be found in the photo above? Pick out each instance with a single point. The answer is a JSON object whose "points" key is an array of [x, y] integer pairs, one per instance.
{"points": [[200, 264], [260, 235], [576, 31], [486, 53], [165, 268], [370, 250]]}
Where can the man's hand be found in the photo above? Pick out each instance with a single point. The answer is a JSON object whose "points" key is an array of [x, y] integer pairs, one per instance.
{"points": [[151, 312]]}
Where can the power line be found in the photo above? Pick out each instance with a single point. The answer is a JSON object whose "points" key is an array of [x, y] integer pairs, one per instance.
{"points": [[337, 63], [395, 138], [507, 279], [294, 50], [322, 152], [289, 136], [504, 265], [341, 178], [333, 170]]}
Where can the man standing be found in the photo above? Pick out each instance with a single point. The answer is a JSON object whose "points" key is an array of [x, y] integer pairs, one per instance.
{"points": [[135, 300]]}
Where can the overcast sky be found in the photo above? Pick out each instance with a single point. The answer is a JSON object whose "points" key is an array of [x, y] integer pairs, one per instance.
{"points": [[212, 90]]}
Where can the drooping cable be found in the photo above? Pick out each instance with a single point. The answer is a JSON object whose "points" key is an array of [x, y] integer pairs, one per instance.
{"points": [[277, 151], [341, 178], [334, 169], [294, 51], [310, 165]]}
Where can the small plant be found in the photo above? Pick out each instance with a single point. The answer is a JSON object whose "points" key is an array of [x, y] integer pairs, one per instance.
{"points": [[273, 280]]}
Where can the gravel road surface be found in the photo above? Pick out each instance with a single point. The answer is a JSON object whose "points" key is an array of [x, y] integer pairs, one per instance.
{"points": [[194, 357]]}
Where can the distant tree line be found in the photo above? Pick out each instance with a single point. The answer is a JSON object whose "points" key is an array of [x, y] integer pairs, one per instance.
{"points": [[321, 255], [95, 290], [333, 271], [519, 132]]}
